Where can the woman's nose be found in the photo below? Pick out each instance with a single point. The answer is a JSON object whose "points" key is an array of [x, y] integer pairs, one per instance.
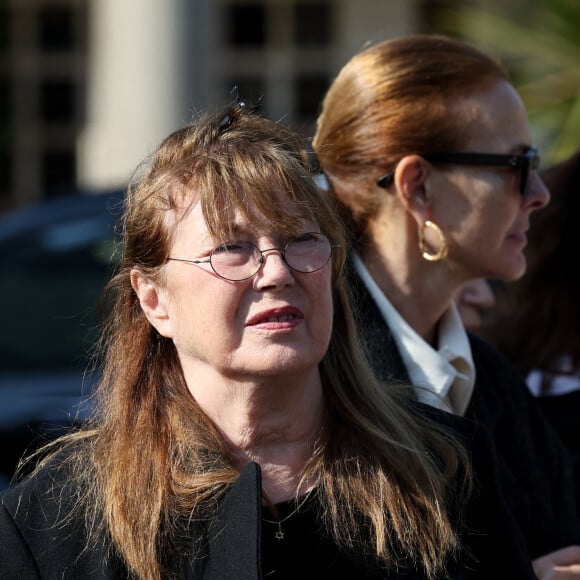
{"points": [[538, 194], [274, 271]]}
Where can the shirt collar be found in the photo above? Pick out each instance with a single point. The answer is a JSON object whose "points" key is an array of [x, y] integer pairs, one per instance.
{"points": [[430, 370]]}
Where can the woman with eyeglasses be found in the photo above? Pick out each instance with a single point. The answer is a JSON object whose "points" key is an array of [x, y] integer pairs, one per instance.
{"points": [[426, 146], [239, 432]]}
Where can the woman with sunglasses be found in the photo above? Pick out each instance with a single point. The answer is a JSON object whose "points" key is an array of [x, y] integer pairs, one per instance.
{"points": [[240, 433], [427, 148]]}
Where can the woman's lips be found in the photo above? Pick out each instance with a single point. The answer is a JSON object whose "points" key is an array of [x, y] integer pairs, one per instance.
{"points": [[287, 316], [520, 238]]}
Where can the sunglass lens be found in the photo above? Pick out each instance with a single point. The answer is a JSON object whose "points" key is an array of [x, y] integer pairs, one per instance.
{"points": [[531, 164]]}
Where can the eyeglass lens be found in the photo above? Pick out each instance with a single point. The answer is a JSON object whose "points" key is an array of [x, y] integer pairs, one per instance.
{"points": [[241, 260], [530, 163]]}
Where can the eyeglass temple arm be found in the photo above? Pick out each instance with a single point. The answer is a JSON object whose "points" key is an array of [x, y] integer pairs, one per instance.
{"points": [[201, 261], [472, 158]]}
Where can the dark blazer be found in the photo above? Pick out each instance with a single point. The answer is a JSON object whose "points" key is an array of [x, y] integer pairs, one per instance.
{"points": [[37, 540], [536, 471]]}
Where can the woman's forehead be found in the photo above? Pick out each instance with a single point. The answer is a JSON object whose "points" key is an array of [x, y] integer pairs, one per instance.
{"points": [[492, 117], [289, 218]]}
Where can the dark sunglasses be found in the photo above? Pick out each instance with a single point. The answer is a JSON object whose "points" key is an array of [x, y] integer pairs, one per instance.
{"points": [[526, 162]]}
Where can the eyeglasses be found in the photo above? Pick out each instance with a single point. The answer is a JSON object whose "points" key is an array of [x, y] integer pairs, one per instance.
{"points": [[237, 261], [526, 162]]}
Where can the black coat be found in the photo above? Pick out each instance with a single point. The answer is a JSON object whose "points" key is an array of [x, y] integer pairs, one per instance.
{"points": [[536, 471], [37, 541]]}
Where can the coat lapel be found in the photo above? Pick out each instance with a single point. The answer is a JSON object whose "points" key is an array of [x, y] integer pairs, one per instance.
{"points": [[375, 335], [234, 536]]}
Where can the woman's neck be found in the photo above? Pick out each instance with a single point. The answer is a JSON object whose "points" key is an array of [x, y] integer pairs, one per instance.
{"points": [[420, 291], [281, 442], [275, 423]]}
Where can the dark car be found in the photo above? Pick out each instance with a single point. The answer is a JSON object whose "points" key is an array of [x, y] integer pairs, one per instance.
{"points": [[55, 257]]}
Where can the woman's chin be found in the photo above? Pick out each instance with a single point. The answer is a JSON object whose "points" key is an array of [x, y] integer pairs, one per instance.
{"points": [[512, 271]]}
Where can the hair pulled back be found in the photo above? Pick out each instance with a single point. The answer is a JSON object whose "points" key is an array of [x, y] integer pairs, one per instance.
{"points": [[390, 100]]}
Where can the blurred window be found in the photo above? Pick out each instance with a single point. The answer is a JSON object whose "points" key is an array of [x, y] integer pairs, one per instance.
{"points": [[57, 100], [5, 172], [58, 170], [309, 91], [5, 139], [4, 27], [313, 26], [246, 24], [56, 28], [249, 88], [5, 102]]}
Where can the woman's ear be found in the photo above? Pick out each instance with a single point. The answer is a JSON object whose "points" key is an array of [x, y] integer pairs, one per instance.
{"points": [[411, 185], [152, 300]]}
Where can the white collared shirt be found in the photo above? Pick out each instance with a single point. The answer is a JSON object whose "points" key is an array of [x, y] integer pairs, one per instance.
{"points": [[438, 382], [564, 382]]}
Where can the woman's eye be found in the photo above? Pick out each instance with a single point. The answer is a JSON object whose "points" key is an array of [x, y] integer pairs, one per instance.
{"points": [[230, 247], [308, 237]]}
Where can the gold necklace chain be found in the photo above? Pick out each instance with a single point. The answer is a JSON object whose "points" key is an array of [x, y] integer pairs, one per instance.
{"points": [[279, 535]]}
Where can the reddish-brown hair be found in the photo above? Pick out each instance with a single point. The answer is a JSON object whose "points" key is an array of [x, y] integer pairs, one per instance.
{"points": [[390, 100]]}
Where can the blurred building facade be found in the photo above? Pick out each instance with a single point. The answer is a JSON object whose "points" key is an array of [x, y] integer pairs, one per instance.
{"points": [[43, 47], [90, 87]]}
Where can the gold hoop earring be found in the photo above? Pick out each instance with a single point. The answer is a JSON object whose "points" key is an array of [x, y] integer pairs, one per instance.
{"points": [[426, 251]]}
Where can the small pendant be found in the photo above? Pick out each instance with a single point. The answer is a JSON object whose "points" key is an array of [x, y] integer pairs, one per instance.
{"points": [[279, 535]]}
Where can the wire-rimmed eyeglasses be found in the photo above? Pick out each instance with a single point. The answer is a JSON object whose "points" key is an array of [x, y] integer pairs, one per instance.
{"points": [[526, 162], [237, 261]]}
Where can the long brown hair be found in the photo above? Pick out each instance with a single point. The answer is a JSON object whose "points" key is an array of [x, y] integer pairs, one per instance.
{"points": [[390, 100], [151, 458]]}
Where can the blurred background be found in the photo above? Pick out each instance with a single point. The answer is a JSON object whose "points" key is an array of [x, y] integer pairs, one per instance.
{"points": [[88, 88]]}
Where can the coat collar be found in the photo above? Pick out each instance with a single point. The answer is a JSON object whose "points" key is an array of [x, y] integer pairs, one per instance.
{"points": [[234, 535], [377, 339]]}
